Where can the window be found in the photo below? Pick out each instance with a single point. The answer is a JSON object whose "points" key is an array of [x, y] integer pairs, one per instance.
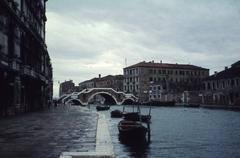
{"points": [[232, 82], [208, 85], [150, 71]]}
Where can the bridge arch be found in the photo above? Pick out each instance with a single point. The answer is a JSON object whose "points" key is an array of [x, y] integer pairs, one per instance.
{"points": [[77, 101], [107, 96], [61, 99], [128, 101]]}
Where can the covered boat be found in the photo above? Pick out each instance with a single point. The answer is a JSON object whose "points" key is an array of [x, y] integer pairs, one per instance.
{"points": [[132, 130], [102, 107], [116, 114]]}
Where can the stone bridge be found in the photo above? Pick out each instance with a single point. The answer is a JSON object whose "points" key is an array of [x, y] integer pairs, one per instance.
{"points": [[111, 96]]}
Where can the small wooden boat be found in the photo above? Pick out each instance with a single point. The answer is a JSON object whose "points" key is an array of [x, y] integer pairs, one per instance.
{"points": [[101, 108], [132, 130], [116, 114]]}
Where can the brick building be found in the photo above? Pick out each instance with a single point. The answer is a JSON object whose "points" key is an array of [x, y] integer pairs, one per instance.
{"points": [[25, 66], [66, 87], [110, 81], [177, 78]]}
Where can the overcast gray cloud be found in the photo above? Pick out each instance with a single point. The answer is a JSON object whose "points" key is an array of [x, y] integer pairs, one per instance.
{"points": [[88, 37]]}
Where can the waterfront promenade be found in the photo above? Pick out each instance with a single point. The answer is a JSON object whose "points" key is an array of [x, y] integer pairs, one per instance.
{"points": [[48, 133]]}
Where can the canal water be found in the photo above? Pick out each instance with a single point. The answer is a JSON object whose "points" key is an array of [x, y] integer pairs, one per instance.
{"points": [[183, 132]]}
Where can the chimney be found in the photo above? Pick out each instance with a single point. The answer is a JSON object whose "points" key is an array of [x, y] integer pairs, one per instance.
{"points": [[152, 61], [161, 62], [226, 67], [99, 76], [215, 73]]}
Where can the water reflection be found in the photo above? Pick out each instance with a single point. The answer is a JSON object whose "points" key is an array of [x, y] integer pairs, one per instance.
{"points": [[183, 132], [136, 148]]}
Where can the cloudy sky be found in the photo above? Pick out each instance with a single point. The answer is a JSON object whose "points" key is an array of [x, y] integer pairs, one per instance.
{"points": [[90, 37]]}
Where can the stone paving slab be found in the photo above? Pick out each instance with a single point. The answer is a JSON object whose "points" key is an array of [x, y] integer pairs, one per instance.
{"points": [[104, 147], [47, 134]]}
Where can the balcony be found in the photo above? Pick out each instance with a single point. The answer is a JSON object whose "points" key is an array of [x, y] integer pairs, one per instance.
{"points": [[33, 73], [4, 60], [15, 65], [26, 70]]}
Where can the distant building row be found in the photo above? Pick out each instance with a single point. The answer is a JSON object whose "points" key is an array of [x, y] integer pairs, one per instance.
{"points": [[109, 81], [182, 83]]}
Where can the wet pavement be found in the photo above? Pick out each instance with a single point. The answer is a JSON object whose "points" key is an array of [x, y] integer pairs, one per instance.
{"points": [[49, 133]]}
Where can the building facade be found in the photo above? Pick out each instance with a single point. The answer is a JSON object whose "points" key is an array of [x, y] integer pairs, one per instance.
{"points": [[87, 84], [160, 91], [110, 81], [176, 77], [223, 88], [25, 66], [66, 87]]}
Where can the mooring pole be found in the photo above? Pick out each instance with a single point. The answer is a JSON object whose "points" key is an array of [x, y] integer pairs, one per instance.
{"points": [[149, 132], [150, 109]]}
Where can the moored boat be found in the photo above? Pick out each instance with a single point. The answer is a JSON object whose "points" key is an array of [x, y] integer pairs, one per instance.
{"points": [[116, 114], [131, 130], [101, 107], [161, 103], [192, 105]]}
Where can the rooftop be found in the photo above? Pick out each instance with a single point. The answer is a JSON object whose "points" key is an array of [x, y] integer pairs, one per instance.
{"points": [[166, 65], [231, 72]]}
